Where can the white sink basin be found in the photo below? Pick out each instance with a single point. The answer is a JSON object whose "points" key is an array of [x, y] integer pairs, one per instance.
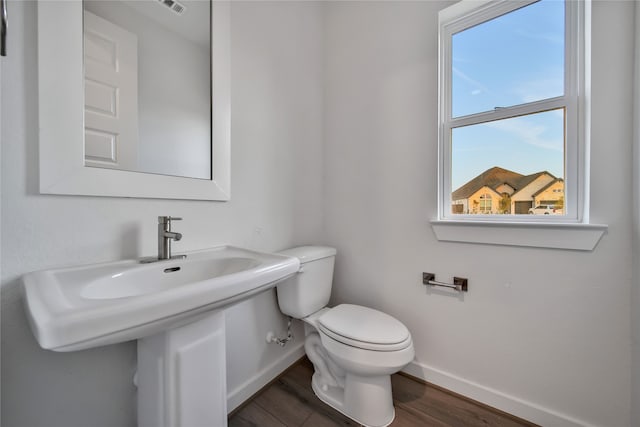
{"points": [[118, 283], [82, 307]]}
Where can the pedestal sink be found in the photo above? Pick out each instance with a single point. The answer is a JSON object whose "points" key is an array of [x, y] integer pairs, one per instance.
{"points": [[171, 307]]}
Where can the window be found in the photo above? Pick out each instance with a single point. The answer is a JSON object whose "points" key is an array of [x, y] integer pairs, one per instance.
{"points": [[511, 82], [485, 203]]}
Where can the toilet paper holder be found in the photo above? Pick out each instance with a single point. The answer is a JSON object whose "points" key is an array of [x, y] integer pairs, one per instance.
{"points": [[460, 284]]}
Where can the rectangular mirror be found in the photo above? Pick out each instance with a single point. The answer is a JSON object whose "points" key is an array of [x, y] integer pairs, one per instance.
{"points": [[134, 98], [147, 86]]}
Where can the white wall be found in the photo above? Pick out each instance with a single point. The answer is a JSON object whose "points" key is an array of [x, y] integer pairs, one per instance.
{"points": [[635, 288], [277, 135], [552, 347]]}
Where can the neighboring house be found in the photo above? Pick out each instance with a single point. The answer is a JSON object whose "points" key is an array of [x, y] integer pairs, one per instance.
{"points": [[499, 190], [551, 194]]}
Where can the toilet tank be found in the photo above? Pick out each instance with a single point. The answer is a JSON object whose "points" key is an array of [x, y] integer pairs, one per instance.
{"points": [[309, 290]]}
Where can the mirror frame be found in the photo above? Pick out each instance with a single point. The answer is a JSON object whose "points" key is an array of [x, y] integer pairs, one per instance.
{"points": [[61, 115]]}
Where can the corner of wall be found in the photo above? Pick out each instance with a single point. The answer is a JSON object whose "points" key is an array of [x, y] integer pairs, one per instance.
{"points": [[253, 385], [635, 283]]}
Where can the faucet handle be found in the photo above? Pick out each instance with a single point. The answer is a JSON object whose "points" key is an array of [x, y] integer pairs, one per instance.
{"points": [[168, 219]]}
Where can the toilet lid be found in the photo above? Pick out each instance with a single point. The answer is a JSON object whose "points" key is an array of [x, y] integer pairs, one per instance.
{"points": [[364, 328]]}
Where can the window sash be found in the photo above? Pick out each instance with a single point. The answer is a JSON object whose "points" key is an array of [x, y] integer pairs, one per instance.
{"points": [[467, 14]]}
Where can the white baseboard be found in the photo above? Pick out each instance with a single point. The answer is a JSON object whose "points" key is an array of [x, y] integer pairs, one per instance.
{"points": [[494, 398], [238, 396]]}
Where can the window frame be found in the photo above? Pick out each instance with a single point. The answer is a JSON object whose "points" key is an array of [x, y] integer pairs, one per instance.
{"points": [[469, 13], [486, 202]]}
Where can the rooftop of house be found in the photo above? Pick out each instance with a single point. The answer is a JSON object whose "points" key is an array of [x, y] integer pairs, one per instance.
{"points": [[546, 187], [493, 178]]}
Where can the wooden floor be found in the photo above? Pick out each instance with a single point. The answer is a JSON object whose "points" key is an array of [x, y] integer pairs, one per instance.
{"points": [[290, 402]]}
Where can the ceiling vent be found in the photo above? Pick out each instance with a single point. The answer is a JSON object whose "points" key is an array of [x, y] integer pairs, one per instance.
{"points": [[176, 7]]}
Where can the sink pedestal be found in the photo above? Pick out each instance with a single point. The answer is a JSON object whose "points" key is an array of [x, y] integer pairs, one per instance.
{"points": [[173, 308], [182, 375]]}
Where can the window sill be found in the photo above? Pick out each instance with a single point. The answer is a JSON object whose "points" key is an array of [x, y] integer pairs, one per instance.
{"points": [[581, 237]]}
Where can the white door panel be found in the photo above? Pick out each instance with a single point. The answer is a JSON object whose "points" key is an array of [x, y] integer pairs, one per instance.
{"points": [[100, 98], [111, 94]]}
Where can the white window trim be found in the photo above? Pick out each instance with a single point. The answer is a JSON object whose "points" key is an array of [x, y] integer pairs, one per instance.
{"points": [[582, 237], [570, 231]]}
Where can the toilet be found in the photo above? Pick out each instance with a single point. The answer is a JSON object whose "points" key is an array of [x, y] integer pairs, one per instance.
{"points": [[354, 349]]}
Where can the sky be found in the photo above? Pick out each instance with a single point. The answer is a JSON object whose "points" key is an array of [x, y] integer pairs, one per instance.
{"points": [[510, 60]]}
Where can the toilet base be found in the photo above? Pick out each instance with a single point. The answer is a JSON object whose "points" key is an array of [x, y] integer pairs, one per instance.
{"points": [[366, 400]]}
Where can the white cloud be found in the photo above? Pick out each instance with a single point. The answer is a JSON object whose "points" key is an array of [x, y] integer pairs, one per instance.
{"points": [[530, 133], [479, 87], [536, 90], [556, 38]]}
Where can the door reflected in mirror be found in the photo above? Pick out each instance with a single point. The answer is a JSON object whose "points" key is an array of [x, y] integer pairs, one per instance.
{"points": [[147, 80]]}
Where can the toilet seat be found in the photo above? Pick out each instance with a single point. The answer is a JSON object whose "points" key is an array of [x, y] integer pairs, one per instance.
{"points": [[364, 328]]}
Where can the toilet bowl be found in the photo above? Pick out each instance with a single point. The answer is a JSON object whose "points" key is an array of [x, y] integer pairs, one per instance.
{"points": [[354, 349]]}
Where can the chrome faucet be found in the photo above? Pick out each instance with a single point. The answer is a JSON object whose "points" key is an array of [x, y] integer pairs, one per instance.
{"points": [[165, 236]]}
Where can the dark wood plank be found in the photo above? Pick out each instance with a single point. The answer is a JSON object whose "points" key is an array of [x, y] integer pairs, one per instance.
{"points": [[284, 402], [422, 399], [289, 401], [407, 419], [253, 415], [321, 420]]}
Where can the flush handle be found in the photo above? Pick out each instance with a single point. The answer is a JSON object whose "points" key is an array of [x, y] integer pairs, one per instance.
{"points": [[4, 25]]}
